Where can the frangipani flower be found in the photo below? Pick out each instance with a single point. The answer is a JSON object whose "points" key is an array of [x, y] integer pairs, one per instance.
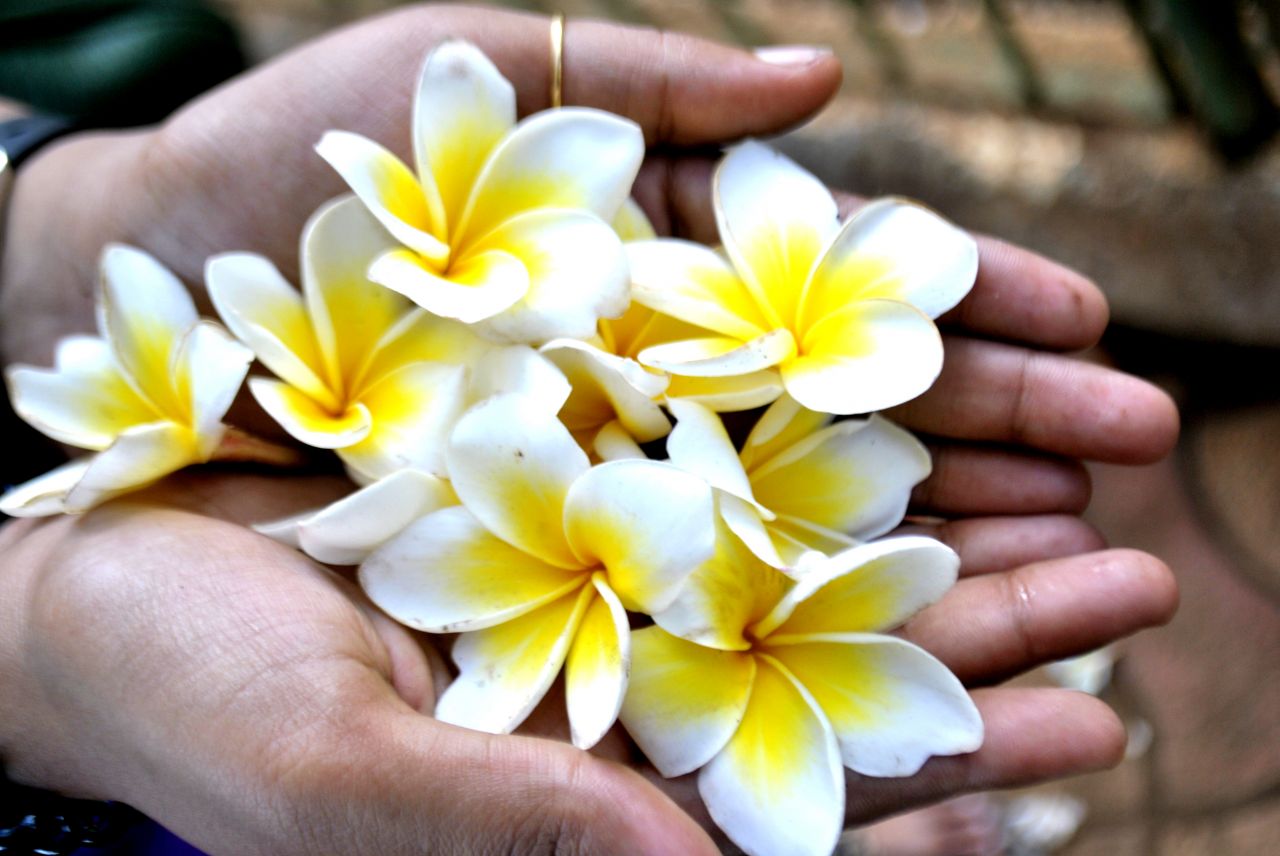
{"points": [[361, 370], [801, 483], [505, 225], [148, 395], [770, 686], [607, 390], [539, 564], [347, 531], [839, 314]]}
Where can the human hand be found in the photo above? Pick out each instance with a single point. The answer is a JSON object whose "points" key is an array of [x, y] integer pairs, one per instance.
{"points": [[255, 703], [234, 171]]}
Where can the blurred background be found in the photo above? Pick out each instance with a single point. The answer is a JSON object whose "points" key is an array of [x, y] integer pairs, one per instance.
{"points": [[1133, 139]]}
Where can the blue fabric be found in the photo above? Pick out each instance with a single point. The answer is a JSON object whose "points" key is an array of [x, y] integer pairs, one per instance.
{"points": [[146, 839]]}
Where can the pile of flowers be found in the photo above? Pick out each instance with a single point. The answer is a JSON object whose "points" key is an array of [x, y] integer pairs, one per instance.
{"points": [[495, 344]]}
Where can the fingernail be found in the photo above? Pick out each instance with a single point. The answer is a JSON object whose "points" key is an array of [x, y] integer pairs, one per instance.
{"points": [[793, 55]]}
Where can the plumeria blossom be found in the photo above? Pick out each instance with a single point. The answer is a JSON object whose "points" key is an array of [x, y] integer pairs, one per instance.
{"points": [[346, 532], [359, 369], [800, 482], [538, 565], [840, 315], [147, 394], [769, 686], [501, 224], [615, 401]]}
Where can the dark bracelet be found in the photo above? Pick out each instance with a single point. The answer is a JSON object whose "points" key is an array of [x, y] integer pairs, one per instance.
{"points": [[34, 822]]}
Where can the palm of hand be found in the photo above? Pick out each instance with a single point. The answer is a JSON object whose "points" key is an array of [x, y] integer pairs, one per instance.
{"points": [[257, 703]]}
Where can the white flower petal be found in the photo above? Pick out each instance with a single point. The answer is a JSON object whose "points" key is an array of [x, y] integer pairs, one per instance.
{"points": [[745, 520], [595, 673], [775, 220], [512, 462], [721, 357], [874, 355], [695, 284], [685, 700], [284, 530], [794, 539], [389, 190], [725, 595], [573, 157], [143, 312], [84, 402], [350, 312], [729, 394], [854, 477], [347, 531], [411, 412], [613, 443], [504, 671], [420, 336], [895, 250], [463, 108], [631, 223], [446, 573], [518, 370], [577, 275], [308, 421], [699, 444], [892, 705], [606, 387], [140, 456], [777, 788], [649, 524], [46, 494], [268, 314], [210, 366], [869, 588], [477, 287]]}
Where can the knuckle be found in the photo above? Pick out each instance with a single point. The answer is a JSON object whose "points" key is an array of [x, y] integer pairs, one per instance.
{"points": [[560, 818]]}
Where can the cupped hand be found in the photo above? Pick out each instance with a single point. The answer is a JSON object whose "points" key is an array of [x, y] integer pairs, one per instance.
{"points": [[155, 651], [234, 170]]}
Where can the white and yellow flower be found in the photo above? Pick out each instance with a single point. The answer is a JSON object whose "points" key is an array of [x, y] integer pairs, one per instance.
{"points": [[801, 483], [615, 403], [539, 564], [346, 532], [148, 394], [838, 315], [359, 369], [502, 224], [769, 687]]}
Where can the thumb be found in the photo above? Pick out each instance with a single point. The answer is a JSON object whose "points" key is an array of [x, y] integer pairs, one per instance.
{"points": [[397, 782]]}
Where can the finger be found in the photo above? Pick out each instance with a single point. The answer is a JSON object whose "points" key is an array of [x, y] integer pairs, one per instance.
{"points": [[680, 89], [978, 480], [1032, 736], [987, 545], [685, 90], [993, 626], [396, 782], [1024, 297], [1001, 393]]}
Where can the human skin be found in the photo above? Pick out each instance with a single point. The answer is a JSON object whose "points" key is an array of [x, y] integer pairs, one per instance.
{"points": [[158, 652], [152, 652]]}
